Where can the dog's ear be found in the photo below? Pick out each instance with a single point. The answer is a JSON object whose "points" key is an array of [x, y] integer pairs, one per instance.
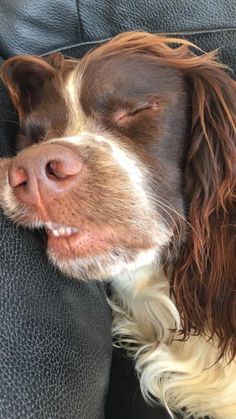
{"points": [[26, 78], [204, 278], [204, 281]]}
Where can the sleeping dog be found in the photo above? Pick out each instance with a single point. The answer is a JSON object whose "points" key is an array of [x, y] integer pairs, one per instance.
{"points": [[127, 158]]}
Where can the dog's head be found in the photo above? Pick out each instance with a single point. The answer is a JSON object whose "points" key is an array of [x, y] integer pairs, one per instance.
{"points": [[104, 141], [129, 159]]}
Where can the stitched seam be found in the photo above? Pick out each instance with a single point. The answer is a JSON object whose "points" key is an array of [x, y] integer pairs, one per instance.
{"points": [[101, 41], [79, 24], [200, 31], [80, 44]]}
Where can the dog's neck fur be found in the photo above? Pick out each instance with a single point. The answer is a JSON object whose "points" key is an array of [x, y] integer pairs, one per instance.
{"points": [[182, 373]]}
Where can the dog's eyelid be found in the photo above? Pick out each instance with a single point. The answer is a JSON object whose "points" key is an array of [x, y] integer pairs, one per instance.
{"points": [[143, 107], [130, 111]]}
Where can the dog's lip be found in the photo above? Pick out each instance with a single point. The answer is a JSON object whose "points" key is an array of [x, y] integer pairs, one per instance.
{"points": [[66, 242], [59, 230], [77, 243]]}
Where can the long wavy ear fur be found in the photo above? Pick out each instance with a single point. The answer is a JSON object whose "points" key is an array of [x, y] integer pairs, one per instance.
{"points": [[204, 281], [204, 278]]}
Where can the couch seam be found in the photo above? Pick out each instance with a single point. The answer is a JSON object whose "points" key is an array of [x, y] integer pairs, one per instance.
{"points": [[79, 22], [101, 41]]}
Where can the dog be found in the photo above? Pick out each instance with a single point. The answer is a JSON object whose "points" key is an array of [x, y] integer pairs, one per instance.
{"points": [[127, 158]]}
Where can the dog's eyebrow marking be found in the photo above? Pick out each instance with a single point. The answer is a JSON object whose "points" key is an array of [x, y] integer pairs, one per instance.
{"points": [[72, 89]]}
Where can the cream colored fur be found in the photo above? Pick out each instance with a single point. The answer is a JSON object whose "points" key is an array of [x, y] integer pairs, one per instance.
{"points": [[184, 376]]}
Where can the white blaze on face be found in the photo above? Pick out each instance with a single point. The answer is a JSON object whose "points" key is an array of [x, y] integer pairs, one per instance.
{"points": [[133, 169], [71, 93], [77, 133]]}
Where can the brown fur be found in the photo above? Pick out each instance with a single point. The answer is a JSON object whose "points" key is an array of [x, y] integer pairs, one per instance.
{"points": [[196, 99], [204, 278]]}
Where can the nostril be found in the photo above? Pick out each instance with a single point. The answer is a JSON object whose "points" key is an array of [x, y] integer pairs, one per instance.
{"points": [[53, 171], [62, 169], [17, 176]]}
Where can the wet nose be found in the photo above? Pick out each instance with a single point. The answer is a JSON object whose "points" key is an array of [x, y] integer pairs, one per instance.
{"points": [[48, 169]]}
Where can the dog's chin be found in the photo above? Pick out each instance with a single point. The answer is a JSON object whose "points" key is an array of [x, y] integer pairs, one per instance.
{"points": [[102, 266]]}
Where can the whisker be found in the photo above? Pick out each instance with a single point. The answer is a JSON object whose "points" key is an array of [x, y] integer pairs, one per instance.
{"points": [[171, 208], [10, 112], [176, 245], [9, 121]]}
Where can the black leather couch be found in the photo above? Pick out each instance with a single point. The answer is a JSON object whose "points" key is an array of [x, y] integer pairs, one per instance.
{"points": [[55, 341]]}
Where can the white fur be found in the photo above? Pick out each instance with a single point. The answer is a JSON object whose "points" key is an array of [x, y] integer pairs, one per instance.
{"points": [[119, 154], [182, 375]]}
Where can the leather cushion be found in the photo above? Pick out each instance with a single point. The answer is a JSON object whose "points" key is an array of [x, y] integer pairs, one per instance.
{"points": [[55, 332], [224, 40], [39, 26]]}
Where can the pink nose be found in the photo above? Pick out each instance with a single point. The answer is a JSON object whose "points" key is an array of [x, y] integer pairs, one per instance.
{"points": [[46, 170]]}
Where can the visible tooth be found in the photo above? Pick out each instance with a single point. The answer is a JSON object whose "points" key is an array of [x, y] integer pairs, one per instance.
{"points": [[56, 226], [68, 230], [61, 231], [49, 225], [74, 230]]}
